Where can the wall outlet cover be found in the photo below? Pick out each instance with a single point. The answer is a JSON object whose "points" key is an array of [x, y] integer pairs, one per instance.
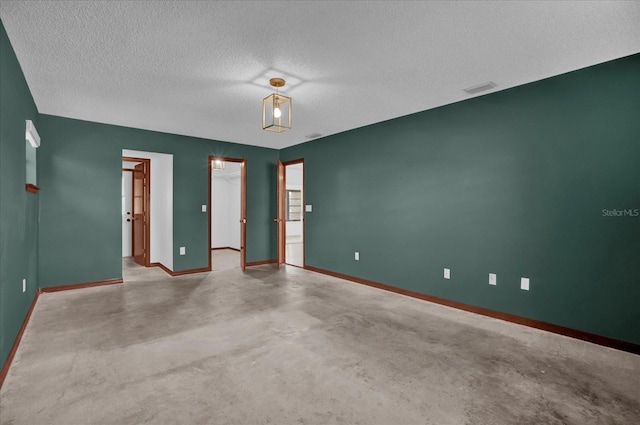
{"points": [[493, 279], [204, 208], [447, 273], [357, 256], [524, 283], [308, 208], [183, 250]]}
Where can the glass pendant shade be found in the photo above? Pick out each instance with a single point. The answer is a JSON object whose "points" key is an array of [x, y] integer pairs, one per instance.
{"points": [[276, 113], [276, 109]]}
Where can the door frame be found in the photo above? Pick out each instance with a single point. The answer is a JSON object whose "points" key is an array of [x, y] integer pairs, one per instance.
{"points": [[243, 206], [147, 204], [281, 219]]}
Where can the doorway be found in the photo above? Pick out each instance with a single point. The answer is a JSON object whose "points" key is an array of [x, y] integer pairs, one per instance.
{"points": [[291, 234], [227, 213], [135, 209], [157, 202]]}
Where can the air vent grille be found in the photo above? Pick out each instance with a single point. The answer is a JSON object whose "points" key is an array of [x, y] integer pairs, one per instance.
{"points": [[480, 87]]}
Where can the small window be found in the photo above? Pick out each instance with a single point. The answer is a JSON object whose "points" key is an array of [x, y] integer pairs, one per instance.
{"points": [[294, 205]]}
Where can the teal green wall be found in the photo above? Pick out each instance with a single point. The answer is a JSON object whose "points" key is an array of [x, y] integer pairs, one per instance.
{"points": [[80, 216], [512, 183], [18, 208]]}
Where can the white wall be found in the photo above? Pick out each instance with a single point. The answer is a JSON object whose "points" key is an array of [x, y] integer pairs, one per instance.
{"points": [[294, 182], [161, 217], [225, 207]]}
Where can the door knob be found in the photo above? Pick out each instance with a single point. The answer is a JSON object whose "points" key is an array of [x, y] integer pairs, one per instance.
{"points": [[128, 220], [243, 221], [275, 220]]}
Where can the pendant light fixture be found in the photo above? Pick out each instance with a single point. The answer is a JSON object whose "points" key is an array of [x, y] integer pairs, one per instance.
{"points": [[276, 109]]}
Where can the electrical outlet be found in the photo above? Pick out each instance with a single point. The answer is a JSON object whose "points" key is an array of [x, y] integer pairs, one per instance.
{"points": [[493, 279], [183, 250], [524, 283], [357, 256], [24, 285], [204, 208], [447, 273]]}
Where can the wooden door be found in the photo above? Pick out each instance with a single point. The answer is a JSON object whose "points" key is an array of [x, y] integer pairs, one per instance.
{"points": [[280, 219], [243, 215], [139, 247], [127, 218]]}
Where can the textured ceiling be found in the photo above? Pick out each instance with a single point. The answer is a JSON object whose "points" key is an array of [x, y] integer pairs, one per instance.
{"points": [[201, 68]]}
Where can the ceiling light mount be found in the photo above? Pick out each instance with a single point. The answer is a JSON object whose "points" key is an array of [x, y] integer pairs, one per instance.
{"points": [[277, 82], [276, 109]]}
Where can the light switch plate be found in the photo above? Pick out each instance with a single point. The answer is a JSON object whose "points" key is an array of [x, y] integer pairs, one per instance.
{"points": [[524, 283], [447, 273], [308, 208], [493, 279], [204, 208], [357, 256], [183, 250]]}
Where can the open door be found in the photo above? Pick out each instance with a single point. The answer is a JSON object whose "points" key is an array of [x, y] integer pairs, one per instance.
{"points": [[280, 219], [140, 222], [243, 215]]}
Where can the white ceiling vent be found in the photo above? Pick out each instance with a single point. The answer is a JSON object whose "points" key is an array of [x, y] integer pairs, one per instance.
{"points": [[480, 87]]}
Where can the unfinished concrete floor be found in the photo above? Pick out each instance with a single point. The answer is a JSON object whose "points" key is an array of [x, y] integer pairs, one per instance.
{"points": [[225, 259], [294, 347]]}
